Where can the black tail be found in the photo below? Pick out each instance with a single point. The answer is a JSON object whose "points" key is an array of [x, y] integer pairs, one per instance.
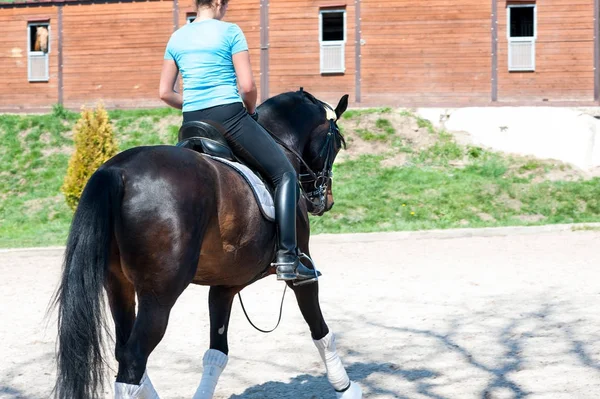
{"points": [[80, 297]]}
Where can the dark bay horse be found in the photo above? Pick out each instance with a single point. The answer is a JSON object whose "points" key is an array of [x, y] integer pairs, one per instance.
{"points": [[154, 219]]}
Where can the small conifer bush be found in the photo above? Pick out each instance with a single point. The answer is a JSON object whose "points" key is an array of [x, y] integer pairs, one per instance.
{"points": [[94, 145]]}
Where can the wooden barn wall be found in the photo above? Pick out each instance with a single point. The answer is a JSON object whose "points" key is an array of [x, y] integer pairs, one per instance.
{"points": [[414, 53], [246, 14], [294, 51], [114, 52], [16, 92], [433, 52], [564, 55]]}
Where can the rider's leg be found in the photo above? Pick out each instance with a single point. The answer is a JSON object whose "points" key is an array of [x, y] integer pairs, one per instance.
{"points": [[286, 199], [254, 145]]}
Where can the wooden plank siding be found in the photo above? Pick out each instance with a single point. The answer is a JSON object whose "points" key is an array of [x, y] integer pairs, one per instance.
{"points": [[564, 55], [113, 52], [433, 52], [294, 51], [16, 92]]}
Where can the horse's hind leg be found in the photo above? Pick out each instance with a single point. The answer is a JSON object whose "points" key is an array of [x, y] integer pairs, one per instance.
{"points": [[308, 301], [149, 328], [156, 298], [220, 300], [121, 298]]}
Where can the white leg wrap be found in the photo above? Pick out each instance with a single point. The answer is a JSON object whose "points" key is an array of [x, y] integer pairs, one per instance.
{"points": [[214, 362], [129, 391], [336, 374]]}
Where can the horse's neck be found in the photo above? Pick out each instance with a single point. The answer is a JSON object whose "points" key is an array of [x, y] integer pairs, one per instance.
{"points": [[295, 139]]}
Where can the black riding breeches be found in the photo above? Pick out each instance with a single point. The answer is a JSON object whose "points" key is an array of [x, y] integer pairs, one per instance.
{"points": [[248, 140]]}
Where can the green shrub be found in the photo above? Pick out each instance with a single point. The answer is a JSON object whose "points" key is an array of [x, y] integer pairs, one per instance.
{"points": [[94, 145]]}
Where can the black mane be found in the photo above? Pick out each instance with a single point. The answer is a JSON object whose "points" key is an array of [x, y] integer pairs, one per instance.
{"points": [[291, 99], [314, 100]]}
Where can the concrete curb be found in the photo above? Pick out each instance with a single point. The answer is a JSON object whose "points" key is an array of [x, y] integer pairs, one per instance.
{"points": [[404, 235], [452, 233], [33, 250]]}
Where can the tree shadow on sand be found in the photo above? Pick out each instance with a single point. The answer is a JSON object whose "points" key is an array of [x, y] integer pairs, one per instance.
{"points": [[512, 336]]}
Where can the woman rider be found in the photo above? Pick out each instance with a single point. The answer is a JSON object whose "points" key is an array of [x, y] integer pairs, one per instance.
{"points": [[213, 59]]}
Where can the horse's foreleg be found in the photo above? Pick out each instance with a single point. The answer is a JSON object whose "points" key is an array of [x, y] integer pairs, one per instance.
{"points": [[220, 300], [308, 301]]}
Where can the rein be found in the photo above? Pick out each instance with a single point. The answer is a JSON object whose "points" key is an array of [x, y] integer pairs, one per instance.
{"points": [[320, 180], [294, 152], [278, 320]]}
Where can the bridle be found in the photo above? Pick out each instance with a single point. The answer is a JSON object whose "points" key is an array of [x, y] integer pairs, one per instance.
{"points": [[320, 181]]}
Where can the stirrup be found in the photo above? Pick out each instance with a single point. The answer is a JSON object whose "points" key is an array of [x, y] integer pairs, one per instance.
{"points": [[317, 273], [291, 275]]}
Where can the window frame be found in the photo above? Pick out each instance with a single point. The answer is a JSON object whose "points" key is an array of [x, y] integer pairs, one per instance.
{"points": [[332, 43], [522, 39], [38, 53], [190, 18]]}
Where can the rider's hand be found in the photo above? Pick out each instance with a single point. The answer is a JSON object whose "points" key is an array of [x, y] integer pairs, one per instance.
{"points": [[254, 115]]}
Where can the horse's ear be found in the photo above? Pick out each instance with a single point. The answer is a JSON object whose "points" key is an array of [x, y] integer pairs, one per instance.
{"points": [[342, 106]]}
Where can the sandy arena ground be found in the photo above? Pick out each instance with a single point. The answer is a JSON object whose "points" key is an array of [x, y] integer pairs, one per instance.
{"points": [[417, 316]]}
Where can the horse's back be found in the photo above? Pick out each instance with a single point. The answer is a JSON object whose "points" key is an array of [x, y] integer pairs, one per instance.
{"points": [[182, 207]]}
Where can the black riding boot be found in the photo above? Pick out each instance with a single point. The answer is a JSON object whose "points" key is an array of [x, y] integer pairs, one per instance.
{"points": [[289, 266]]}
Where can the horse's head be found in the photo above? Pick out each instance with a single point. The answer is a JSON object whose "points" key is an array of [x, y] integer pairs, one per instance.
{"points": [[41, 43], [321, 149], [308, 126]]}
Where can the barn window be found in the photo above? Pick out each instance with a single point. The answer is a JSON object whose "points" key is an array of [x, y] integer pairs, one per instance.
{"points": [[38, 48], [522, 34], [332, 37], [190, 18]]}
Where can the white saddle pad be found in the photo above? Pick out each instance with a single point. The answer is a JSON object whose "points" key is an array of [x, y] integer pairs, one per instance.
{"points": [[261, 193]]}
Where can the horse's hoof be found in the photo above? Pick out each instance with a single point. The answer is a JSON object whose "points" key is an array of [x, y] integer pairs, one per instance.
{"points": [[354, 392]]}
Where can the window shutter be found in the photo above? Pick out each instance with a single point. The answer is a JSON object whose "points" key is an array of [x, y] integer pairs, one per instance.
{"points": [[521, 54], [38, 67], [332, 58]]}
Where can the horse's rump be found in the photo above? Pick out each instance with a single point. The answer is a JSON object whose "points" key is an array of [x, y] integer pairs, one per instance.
{"points": [[178, 204]]}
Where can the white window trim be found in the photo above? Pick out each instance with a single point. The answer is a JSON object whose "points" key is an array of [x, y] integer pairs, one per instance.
{"points": [[341, 43], [529, 39], [38, 53]]}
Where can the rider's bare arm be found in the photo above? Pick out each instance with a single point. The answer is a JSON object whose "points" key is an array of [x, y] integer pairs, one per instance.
{"points": [[168, 78], [243, 71]]}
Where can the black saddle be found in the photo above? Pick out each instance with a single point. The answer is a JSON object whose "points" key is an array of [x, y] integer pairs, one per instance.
{"points": [[205, 138]]}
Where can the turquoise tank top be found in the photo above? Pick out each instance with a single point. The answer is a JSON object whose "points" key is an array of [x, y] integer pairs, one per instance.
{"points": [[203, 52]]}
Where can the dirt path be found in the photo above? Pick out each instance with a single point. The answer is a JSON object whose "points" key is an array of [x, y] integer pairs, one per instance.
{"points": [[486, 318]]}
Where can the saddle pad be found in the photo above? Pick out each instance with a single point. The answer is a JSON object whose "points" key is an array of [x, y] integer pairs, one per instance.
{"points": [[261, 193]]}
